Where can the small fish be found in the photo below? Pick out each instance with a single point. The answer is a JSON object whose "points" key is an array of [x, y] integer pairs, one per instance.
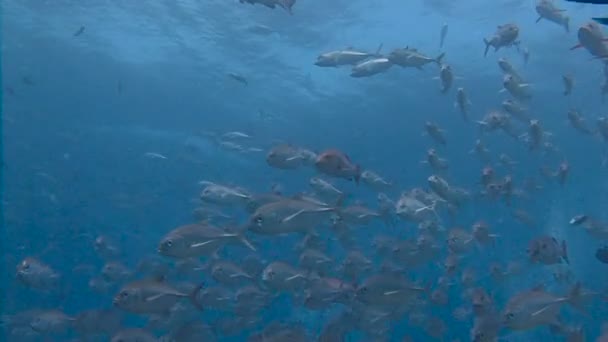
{"points": [[375, 181], [536, 307], [280, 276], [238, 77], [411, 58], [447, 78], [337, 164], [433, 131], [462, 103], [196, 240], [516, 110], [36, 274], [547, 250], [79, 31], [568, 84], [289, 157], [290, 215], [526, 55], [285, 4], [578, 122], [547, 10], [508, 69], [49, 322], [505, 36], [520, 91], [223, 195], [151, 296], [324, 188]]}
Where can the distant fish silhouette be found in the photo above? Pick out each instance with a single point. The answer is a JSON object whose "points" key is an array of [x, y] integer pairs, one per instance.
{"points": [[10, 90], [238, 78], [79, 31], [27, 81]]}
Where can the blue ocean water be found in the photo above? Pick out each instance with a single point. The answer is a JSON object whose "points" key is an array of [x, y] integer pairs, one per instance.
{"points": [[107, 132]]}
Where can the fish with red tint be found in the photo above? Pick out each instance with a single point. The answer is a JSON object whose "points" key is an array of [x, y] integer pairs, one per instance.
{"points": [[591, 37], [337, 164]]}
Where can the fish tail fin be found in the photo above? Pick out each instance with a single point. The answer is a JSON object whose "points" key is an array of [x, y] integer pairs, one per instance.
{"points": [[379, 49], [487, 47], [575, 297], [439, 58], [194, 296], [567, 24], [565, 252], [239, 234], [246, 242]]}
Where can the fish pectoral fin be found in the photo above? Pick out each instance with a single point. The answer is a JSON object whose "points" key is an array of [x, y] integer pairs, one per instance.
{"points": [[200, 244], [292, 216], [155, 297], [534, 314], [390, 293], [294, 277]]}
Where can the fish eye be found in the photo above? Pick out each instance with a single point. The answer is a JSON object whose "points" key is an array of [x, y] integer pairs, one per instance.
{"points": [[259, 220], [124, 294], [168, 244], [510, 315]]}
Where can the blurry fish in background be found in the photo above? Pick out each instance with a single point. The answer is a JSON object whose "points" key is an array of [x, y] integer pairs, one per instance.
{"points": [[505, 36], [547, 10], [79, 31], [462, 103], [238, 77], [443, 34], [525, 52], [568, 84], [285, 4], [27, 80]]}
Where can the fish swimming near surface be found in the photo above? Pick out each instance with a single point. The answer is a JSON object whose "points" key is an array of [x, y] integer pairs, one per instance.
{"points": [[601, 20]]}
